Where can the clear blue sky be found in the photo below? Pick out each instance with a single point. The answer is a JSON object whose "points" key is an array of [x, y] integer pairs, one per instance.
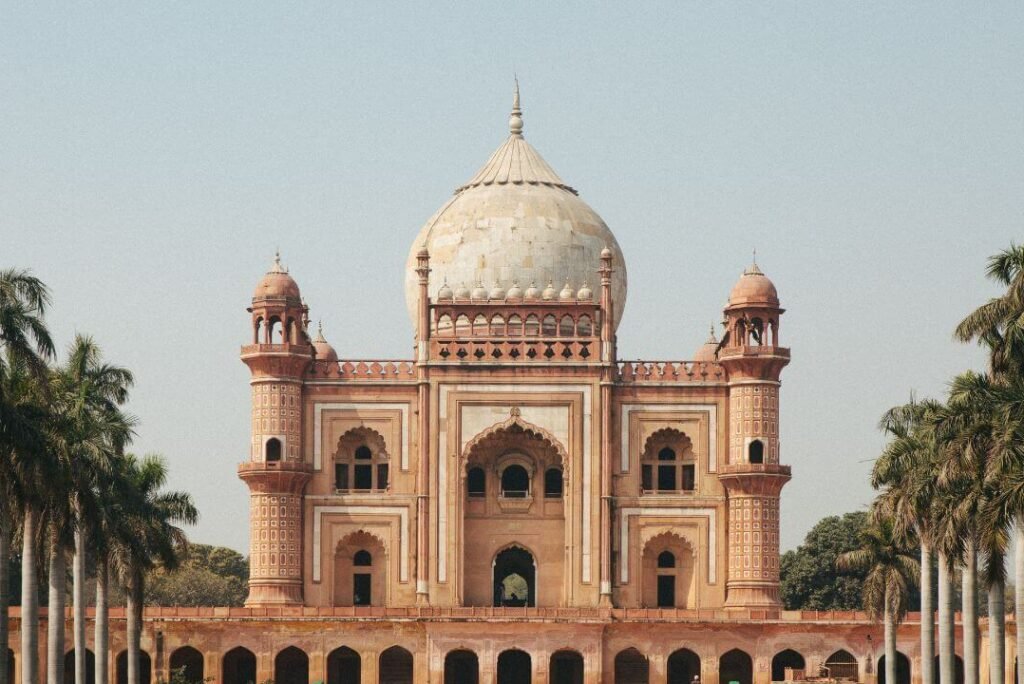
{"points": [[153, 155]]}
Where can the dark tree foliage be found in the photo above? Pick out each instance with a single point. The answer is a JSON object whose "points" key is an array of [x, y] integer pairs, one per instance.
{"points": [[810, 580], [209, 576]]}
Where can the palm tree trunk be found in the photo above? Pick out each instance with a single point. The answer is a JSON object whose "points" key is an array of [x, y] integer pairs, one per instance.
{"points": [[1018, 534], [927, 617], [996, 632], [134, 615], [101, 640], [78, 598], [889, 622], [29, 598], [5, 554], [55, 615], [969, 594], [946, 627]]}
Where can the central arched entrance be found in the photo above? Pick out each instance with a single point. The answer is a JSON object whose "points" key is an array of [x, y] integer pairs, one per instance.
{"points": [[514, 667], [515, 578]]}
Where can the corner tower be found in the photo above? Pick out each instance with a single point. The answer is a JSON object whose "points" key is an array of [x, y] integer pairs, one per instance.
{"points": [[276, 473], [753, 477]]}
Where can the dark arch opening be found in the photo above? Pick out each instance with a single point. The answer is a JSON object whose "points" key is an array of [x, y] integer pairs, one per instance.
{"points": [[666, 559], [515, 482], [756, 451], [683, 666], [191, 660], [10, 665], [476, 483], [958, 670], [396, 666], [461, 667], [291, 666], [783, 659], [362, 558], [566, 667], [553, 483], [514, 667], [145, 667], [842, 665], [273, 452], [514, 576], [239, 666], [69, 666], [631, 667], [344, 666], [736, 666], [902, 669]]}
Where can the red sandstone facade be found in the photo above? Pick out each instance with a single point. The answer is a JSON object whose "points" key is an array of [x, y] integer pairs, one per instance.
{"points": [[514, 503]]}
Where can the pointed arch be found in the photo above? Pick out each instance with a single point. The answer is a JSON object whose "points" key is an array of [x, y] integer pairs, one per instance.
{"points": [[238, 666], [515, 422]]}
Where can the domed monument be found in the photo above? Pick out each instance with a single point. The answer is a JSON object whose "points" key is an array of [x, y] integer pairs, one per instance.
{"points": [[513, 224]]}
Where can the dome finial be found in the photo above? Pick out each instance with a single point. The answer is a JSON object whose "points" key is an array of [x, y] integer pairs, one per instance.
{"points": [[515, 119], [754, 269], [276, 267]]}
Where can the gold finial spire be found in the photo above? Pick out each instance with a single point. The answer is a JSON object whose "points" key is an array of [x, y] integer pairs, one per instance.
{"points": [[515, 119]]}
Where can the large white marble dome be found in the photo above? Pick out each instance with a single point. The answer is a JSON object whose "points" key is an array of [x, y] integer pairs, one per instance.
{"points": [[515, 223]]}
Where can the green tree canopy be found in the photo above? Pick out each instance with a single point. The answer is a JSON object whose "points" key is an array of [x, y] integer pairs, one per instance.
{"points": [[809, 577], [209, 576]]}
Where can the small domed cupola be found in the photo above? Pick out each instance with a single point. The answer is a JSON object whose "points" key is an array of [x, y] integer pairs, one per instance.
{"points": [[549, 293], [515, 293], [708, 351], [585, 294], [445, 294], [532, 293], [567, 294], [754, 289], [497, 293], [321, 347], [479, 292], [462, 292], [277, 284]]}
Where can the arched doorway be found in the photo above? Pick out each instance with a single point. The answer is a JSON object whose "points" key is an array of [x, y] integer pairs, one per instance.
{"points": [[631, 667], [514, 667], [902, 669], [291, 666], [461, 667], [343, 666], [396, 666], [10, 665], [566, 667], [191, 660], [239, 666], [842, 665], [69, 667], [736, 666], [783, 659], [683, 665], [958, 670], [515, 577], [145, 668], [360, 571]]}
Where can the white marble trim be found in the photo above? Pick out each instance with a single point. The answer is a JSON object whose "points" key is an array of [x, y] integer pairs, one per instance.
{"points": [[627, 513], [710, 409], [318, 421], [403, 532]]}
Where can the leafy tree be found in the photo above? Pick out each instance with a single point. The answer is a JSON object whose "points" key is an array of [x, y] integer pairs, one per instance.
{"points": [[209, 576], [809, 577]]}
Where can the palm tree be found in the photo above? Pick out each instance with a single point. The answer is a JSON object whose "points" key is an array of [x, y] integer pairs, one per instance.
{"points": [[93, 431], [26, 346], [999, 325], [148, 534], [906, 473], [891, 573]]}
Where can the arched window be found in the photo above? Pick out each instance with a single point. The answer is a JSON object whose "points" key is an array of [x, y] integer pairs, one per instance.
{"points": [[362, 579], [515, 325], [444, 325], [584, 328], [755, 451], [257, 331], [480, 325], [476, 483], [515, 482], [566, 327], [274, 331], [497, 326], [361, 463], [666, 574], [462, 326], [553, 483], [668, 464], [273, 450], [532, 325], [549, 326], [666, 559]]}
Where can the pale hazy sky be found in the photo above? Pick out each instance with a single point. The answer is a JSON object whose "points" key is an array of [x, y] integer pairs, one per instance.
{"points": [[153, 155]]}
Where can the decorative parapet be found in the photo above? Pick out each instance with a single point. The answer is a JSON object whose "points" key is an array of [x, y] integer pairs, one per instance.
{"points": [[669, 371], [365, 370]]}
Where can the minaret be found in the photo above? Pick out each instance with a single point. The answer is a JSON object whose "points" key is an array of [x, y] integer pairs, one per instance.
{"points": [[276, 472], [753, 478]]}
